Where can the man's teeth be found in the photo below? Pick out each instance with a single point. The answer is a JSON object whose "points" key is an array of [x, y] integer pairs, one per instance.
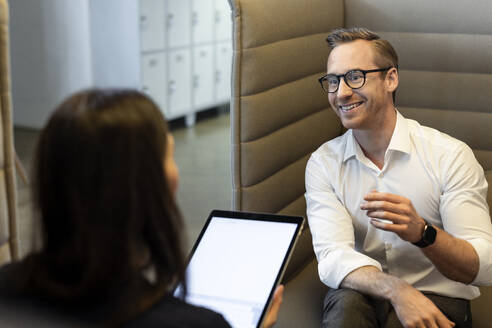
{"points": [[349, 107]]}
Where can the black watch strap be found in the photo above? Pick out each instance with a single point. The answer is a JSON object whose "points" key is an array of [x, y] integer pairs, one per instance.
{"points": [[428, 236]]}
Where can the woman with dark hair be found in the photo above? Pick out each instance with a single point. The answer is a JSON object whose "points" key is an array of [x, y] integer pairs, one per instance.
{"points": [[104, 185]]}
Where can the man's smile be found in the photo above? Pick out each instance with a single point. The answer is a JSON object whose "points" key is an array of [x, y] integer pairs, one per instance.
{"points": [[349, 107]]}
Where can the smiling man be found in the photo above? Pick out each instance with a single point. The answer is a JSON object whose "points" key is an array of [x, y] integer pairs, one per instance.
{"points": [[398, 213]]}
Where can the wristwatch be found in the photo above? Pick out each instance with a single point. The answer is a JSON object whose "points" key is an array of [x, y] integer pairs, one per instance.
{"points": [[428, 237]]}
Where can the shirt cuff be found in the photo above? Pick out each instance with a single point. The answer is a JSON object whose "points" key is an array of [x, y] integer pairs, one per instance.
{"points": [[484, 251], [339, 263]]}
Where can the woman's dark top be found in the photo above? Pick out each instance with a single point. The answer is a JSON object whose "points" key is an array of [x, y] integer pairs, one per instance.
{"points": [[22, 309], [176, 313]]}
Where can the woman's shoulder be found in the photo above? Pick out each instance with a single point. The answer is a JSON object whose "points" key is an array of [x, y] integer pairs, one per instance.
{"points": [[172, 312], [20, 307], [169, 312]]}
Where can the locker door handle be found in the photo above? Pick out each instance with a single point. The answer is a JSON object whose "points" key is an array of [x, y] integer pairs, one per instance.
{"points": [[172, 87], [194, 19], [153, 62], [170, 20], [144, 22]]}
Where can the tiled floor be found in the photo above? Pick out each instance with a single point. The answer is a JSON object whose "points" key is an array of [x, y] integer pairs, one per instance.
{"points": [[203, 157]]}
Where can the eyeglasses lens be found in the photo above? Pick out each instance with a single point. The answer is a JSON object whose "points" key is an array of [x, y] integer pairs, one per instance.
{"points": [[331, 83], [355, 79]]}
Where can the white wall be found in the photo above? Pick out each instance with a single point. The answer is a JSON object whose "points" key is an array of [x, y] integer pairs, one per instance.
{"points": [[115, 60], [50, 48]]}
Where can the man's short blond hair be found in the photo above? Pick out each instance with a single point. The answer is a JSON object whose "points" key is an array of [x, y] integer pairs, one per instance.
{"points": [[385, 53]]}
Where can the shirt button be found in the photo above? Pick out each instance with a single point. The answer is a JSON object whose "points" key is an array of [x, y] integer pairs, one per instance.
{"points": [[387, 246]]}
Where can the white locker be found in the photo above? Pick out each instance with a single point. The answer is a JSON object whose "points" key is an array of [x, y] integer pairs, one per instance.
{"points": [[202, 21], [153, 71], [179, 82], [177, 51], [203, 76], [223, 62], [152, 24], [223, 20], [178, 23]]}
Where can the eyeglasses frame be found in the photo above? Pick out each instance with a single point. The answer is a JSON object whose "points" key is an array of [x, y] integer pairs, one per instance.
{"points": [[364, 72]]}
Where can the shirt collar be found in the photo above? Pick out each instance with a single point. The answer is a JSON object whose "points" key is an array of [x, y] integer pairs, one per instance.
{"points": [[400, 140], [352, 147]]}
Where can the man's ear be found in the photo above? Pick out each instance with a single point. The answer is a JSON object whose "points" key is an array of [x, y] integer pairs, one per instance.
{"points": [[392, 79]]}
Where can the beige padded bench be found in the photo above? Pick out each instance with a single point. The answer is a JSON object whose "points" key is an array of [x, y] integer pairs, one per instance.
{"points": [[280, 114], [9, 242]]}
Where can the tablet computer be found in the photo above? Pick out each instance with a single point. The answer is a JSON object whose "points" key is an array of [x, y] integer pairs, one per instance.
{"points": [[237, 263]]}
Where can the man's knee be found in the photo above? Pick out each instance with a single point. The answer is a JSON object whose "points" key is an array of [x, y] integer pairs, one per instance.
{"points": [[346, 299], [348, 308]]}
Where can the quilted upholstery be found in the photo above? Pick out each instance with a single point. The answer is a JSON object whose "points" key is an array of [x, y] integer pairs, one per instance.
{"points": [[9, 243], [280, 115]]}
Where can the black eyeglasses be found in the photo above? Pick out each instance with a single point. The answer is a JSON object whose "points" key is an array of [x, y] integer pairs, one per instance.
{"points": [[355, 79]]}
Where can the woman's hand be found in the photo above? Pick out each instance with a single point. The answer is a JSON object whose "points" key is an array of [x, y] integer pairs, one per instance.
{"points": [[271, 316]]}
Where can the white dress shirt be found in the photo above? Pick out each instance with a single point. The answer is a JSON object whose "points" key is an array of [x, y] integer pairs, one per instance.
{"points": [[438, 173]]}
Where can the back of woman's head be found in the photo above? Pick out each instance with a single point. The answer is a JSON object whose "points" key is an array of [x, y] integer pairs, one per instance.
{"points": [[106, 208]]}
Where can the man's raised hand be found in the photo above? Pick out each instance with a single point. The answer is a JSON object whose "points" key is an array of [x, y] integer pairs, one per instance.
{"points": [[407, 223]]}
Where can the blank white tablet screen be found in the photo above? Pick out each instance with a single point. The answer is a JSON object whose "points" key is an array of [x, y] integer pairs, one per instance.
{"points": [[234, 267]]}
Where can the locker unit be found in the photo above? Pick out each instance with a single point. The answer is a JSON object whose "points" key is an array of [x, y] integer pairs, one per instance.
{"points": [[203, 76], [223, 23], [184, 46], [154, 73], [178, 23], [152, 21], [223, 64], [179, 82], [202, 21]]}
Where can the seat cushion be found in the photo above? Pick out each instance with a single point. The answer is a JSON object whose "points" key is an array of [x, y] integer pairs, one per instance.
{"points": [[303, 299]]}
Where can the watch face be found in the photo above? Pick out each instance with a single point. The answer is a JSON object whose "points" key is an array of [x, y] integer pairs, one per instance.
{"points": [[429, 236]]}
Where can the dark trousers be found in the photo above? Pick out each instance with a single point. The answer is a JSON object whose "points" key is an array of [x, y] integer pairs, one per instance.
{"points": [[346, 308]]}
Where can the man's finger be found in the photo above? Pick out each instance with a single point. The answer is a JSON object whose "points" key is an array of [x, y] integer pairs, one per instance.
{"points": [[383, 215], [443, 321], [383, 205], [396, 228], [376, 195]]}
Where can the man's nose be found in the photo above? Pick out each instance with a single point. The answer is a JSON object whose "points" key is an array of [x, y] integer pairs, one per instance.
{"points": [[344, 90]]}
